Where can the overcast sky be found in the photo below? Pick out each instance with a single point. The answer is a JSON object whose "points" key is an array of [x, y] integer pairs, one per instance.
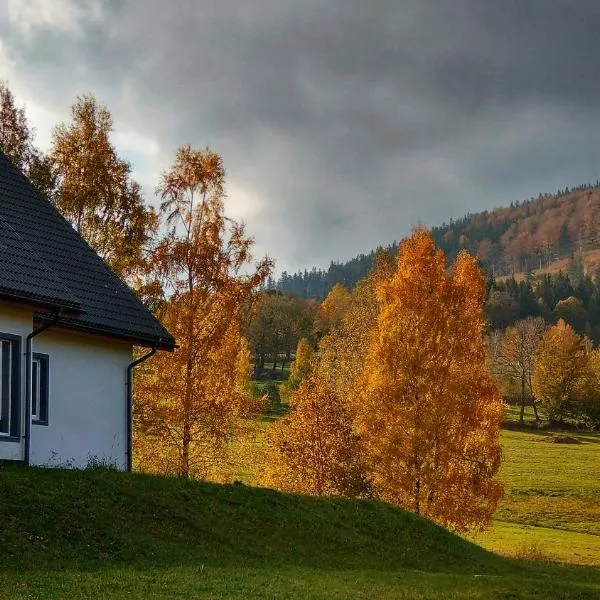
{"points": [[342, 123]]}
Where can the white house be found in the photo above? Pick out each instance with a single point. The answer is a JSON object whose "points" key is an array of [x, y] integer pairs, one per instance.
{"points": [[67, 329]]}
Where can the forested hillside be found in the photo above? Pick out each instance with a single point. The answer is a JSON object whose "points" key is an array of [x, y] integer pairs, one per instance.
{"points": [[520, 238]]}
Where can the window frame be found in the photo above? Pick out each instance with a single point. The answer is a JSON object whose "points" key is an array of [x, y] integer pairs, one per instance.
{"points": [[40, 417], [13, 387]]}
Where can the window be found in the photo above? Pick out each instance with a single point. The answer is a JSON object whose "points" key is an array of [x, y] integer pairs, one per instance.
{"points": [[39, 388], [10, 380]]}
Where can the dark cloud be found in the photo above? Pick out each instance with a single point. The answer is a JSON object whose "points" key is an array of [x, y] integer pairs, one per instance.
{"points": [[342, 123]]}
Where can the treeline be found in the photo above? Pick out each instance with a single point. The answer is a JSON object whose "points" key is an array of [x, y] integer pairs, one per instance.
{"points": [[573, 296], [520, 238], [315, 284]]}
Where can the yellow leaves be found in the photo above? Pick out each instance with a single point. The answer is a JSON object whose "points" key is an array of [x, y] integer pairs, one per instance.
{"points": [[313, 449], [96, 194], [332, 309], [402, 381], [560, 371], [189, 403], [300, 368], [428, 411]]}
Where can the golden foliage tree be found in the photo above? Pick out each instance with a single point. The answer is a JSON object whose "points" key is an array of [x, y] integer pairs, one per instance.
{"points": [[96, 193], [301, 367], [429, 411], [332, 309], [187, 404], [16, 141], [313, 449], [560, 371], [342, 351]]}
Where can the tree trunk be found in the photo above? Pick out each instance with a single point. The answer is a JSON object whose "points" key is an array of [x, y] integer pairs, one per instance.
{"points": [[522, 415], [418, 496], [535, 410], [184, 468]]}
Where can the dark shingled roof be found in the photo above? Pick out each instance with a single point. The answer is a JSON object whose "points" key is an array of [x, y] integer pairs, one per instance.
{"points": [[44, 261]]}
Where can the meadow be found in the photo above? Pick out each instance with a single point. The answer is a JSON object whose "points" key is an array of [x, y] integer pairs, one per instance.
{"points": [[551, 507], [102, 534]]}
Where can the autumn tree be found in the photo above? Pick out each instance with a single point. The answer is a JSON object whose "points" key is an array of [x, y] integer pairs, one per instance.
{"points": [[96, 192], [188, 403], [514, 358], [560, 370], [342, 352], [301, 367], [17, 143], [313, 449], [429, 412], [276, 323], [332, 309]]}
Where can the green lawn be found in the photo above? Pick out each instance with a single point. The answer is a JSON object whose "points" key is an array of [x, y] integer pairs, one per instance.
{"points": [[552, 501], [98, 534], [95, 534]]}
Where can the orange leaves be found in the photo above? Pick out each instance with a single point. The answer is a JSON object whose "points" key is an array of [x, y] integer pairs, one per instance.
{"points": [[560, 371], [96, 193], [332, 309], [189, 402], [428, 411], [313, 450]]}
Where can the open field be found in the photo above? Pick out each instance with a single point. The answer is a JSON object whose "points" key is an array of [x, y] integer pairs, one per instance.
{"points": [[97, 534], [552, 501]]}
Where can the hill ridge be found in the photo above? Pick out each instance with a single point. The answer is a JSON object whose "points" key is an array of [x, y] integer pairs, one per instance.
{"points": [[531, 234]]}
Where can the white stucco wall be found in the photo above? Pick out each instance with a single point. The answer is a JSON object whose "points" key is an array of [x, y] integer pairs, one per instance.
{"points": [[87, 396], [15, 321], [87, 401]]}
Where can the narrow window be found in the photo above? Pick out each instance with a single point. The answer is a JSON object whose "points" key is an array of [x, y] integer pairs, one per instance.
{"points": [[10, 378], [40, 388]]}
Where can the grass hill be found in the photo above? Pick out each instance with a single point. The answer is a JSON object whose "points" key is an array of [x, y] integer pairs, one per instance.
{"points": [[86, 534], [538, 234]]}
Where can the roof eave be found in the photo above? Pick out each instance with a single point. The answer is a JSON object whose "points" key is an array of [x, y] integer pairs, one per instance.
{"points": [[138, 339]]}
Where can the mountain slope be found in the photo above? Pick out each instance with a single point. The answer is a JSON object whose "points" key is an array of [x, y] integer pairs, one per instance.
{"points": [[530, 235]]}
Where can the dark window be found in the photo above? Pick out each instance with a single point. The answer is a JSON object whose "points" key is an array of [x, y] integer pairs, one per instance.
{"points": [[10, 386], [40, 388]]}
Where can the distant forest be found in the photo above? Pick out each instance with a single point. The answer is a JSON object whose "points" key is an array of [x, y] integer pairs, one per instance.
{"points": [[517, 239]]}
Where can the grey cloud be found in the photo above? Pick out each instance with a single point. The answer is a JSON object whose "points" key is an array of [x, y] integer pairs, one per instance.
{"points": [[353, 120]]}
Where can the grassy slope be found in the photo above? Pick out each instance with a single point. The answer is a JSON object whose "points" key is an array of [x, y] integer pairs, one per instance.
{"points": [[98, 534]]}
